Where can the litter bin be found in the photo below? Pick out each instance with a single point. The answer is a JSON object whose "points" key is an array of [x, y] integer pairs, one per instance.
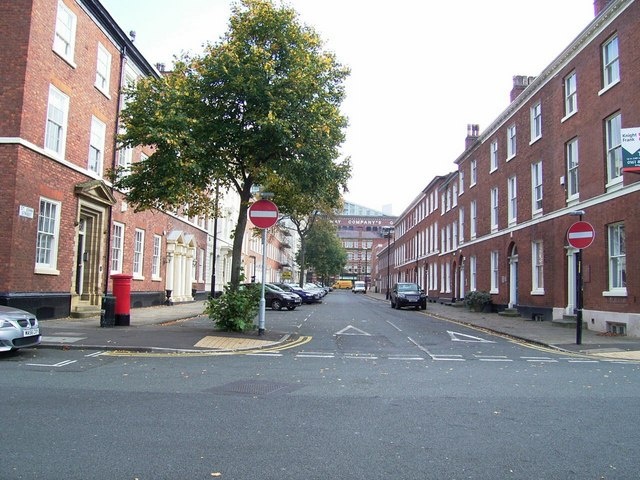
{"points": [[122, 291], [108, 311]]}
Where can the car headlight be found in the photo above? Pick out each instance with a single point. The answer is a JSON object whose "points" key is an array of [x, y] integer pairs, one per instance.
{"points": [[402, 295], [6, 324]]}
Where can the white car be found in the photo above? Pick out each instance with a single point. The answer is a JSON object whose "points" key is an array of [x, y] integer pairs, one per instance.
{"points": [[359, 287], [18, 329]]}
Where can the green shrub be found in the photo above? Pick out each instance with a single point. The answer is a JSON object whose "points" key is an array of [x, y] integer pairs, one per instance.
{"points": [[476, 299], [236, 309]]}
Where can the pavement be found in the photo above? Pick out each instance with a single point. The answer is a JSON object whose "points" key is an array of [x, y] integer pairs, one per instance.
{"points": [[183, 328]]}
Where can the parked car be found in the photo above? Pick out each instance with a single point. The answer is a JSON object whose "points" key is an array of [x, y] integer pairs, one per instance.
{"points": [[328, 288], [306, 295], [323, 287], [276, 298], [359, 287], [408, 295], [18, 329], [312, 287]]}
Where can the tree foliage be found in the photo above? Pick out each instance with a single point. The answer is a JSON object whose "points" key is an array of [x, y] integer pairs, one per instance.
{"points": [[259, 107]]}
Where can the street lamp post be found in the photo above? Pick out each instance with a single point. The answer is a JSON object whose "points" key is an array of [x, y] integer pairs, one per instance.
{"points": [[365, 268], [388, 234]]}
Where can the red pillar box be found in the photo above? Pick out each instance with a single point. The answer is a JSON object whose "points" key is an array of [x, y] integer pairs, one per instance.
{"points": [[122, 292]]}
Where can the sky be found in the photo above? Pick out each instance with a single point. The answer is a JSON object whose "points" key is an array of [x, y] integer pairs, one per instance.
{"points": [[421, 71]]}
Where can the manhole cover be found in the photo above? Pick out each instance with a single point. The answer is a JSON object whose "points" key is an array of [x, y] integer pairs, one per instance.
{"points": [[254, 387]]}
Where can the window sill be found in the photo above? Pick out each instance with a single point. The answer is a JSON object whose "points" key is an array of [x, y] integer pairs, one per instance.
{"points": [[608, 87], [568, 116], [614, 184], [511, 157], [539, 291], [66, 59], [616, 292], [103, 92], [573, 200], [534, 140], [46, 271]]}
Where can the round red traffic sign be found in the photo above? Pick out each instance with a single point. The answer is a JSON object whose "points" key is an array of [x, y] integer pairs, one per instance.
{"points": [[581, 234], [263, 213]]}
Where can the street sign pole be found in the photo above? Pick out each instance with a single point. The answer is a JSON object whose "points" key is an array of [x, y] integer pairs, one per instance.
{"points": [[263, 214], [263, 303], [579, 298], [580, 235]]}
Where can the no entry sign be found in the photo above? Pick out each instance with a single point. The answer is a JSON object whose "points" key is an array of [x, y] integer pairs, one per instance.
{"points": [[263, 214], [581, 234]]}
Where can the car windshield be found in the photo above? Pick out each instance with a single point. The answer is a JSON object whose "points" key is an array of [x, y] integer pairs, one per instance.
{"points": [[408, 287]]}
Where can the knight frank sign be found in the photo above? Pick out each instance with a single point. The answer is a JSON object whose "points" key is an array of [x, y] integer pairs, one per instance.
{"points": [[631, 149]]}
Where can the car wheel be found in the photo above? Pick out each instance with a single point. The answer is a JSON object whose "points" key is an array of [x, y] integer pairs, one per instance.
{"points": [[276, 304], [417, 307], [291, 307], [393, 305]]}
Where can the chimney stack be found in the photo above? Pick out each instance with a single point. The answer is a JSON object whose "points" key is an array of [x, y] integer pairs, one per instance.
{"points": [[520, 82], [473, 133]]}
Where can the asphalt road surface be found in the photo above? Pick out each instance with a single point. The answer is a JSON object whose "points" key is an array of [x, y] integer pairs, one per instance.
{"points": [[375, 394]]}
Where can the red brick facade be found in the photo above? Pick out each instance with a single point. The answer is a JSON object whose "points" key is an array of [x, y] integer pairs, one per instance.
{"points": [[523, 257], [83, 202]]}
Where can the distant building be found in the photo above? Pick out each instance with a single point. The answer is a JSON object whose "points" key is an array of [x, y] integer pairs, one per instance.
{"points": [[358, 229]]}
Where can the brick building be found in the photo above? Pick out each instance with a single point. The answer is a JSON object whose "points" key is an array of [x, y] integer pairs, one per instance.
{"points": [[499, 222], [65, 229], [358, 229]]}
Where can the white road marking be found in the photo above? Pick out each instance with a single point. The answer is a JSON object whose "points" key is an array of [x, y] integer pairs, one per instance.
{"points": [[64, 363], [95, 354], [360, 356], [350, 328], [447, 358], [314, 355], [539, 359], [265, 354], [394, 326], [404, 357], [463, 337]]}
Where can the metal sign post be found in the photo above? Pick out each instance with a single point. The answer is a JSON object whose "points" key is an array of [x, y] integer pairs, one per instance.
{"points": [[263, 214], [580, 235], [263, 303]]}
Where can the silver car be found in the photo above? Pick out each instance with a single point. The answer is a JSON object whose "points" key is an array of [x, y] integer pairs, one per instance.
{"points": [[18, 329]]}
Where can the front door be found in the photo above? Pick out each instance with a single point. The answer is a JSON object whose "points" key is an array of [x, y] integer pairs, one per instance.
{"points": [[513, 278], [81, 256]]}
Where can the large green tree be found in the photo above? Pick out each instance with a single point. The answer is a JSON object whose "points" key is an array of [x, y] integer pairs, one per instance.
{"points": [[261, 103]]}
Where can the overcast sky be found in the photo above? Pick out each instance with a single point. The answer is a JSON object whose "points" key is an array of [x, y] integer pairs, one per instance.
{"points": [[421, 70]]}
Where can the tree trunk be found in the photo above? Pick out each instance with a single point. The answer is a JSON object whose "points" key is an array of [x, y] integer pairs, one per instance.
{"points": [[238, 236], [303, 251]]}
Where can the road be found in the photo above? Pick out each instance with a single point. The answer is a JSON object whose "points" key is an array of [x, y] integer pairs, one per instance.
{"points": [[375, 394]]}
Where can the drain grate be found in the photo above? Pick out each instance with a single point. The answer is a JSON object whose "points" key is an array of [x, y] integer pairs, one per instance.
{"points": [[254, 387]]}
